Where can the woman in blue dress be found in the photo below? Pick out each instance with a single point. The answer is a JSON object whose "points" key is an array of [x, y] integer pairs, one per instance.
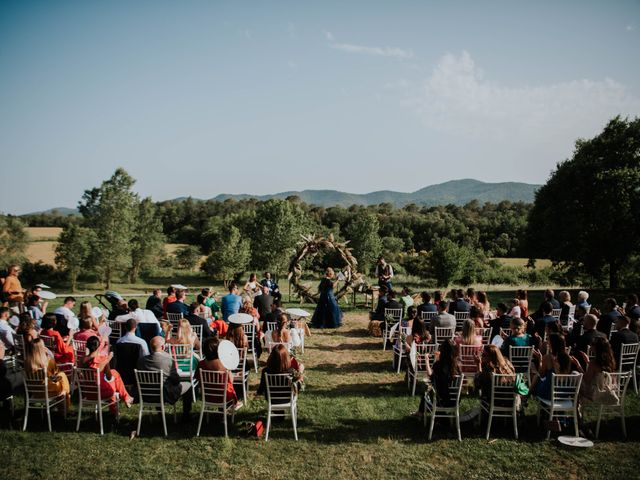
{"points": [[328, 313]]}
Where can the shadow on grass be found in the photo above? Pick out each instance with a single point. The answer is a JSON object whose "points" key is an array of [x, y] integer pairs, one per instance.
{"points": [[345, 346], [360, 367]]}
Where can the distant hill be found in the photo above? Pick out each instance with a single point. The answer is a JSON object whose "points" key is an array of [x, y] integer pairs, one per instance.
{"points": [[457, 192], [62, 211]]}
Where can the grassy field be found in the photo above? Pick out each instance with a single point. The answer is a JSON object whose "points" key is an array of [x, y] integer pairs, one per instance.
{"points": [[522, 262], [354, 422]]}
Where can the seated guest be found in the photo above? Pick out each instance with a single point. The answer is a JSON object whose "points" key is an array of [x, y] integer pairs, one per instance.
{"points": [[280, 361], [111, 383], [459, 304], [609, 316], [557, 361], [65, 315], [211, 362], [549, 297], [252, 287], [154, 304], [516, 311], [426, 305], [175, 386], [603, 360], [86, 311], [523, 301], [11, 381], [589, 332], [194, 319], [248, 308], [185, 336], [210, 301], [476, 316], [470, 296], [518, 338], [378, 314], [169, 299], [632, 310], [202, 310], [281, 334], [406, 300], [437, 297], [491, 361], [6, 332], [27, 327], [130, 337], [37, 357], [565, 305], [444, 370], [419, 334], [274, 290], [583, 298], [230, 303], [276, 311], [12, 290], [179, 306], [263, 303], [237, 336], [468, 335], [33, 307], [482, 303], [546, 318], [622, 337], [64, 351], [502, 320], [443, 320]]}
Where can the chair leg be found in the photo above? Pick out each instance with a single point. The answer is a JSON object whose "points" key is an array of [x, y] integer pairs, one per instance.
{"points": [[200, 420], [433, 419], [489, 423], [550, 419], [255, 362], [140, 419], [384, 341], [294, 421], [515, 422], [399, 361], [26, 415], [226, 431], [266, 435], [49, 417], [458, 424], [100, 419], [575, 421], [164, 420], [598, 422], [624, 424], [79, 415]]}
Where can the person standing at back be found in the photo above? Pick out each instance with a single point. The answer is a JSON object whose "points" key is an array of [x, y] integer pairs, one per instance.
{"points": [[263, 303], [12, 290], [384, 272]]}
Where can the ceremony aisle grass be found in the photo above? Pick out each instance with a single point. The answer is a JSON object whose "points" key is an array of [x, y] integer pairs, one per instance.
{"points": [[354, 422]]}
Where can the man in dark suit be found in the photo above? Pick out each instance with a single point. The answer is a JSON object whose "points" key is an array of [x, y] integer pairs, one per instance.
{"points": [[459, 304], [426, 305], [609, 317], [589, 333], [276, 311], [175, 386], [194, 319], [179, 306], [378, 313], [502, 320], [546, 318], [549, 297], [623, 336], [263, 303], [632, 309], [154, 303]]}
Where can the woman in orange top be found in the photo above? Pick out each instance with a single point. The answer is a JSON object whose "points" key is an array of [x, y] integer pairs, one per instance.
{"points": [[111, 383], [64, 351], [12, 287]]}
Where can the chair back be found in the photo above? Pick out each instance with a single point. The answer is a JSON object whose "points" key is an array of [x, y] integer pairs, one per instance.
{"points": [[150, 386], [213, 385], [461, 315], [555, 313], [443, 333], [612, 331], [49, 342], [520, 358], [468, 354], [35, 384], [272, 326], [279, 388], [242, 363], [182, 353], [174, 317], [506, 331], [485, 333], [455, 389], [619, 383], [503, 389], [565, 388], [116, 331], [127, 356], [79, 350], [427, 316], [88, 383], [628, 357], [422, 349], [249, 331], [396, 313]]}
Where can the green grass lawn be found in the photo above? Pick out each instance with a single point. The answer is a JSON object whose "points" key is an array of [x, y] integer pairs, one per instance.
{"points": [[354, 422]]}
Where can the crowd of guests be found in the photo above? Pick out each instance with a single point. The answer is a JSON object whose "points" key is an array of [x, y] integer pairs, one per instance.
{"points": [[57, 341], [566, 338]]}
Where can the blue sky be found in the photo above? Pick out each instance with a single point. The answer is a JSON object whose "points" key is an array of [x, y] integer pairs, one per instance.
{"points": [[201, 98]]}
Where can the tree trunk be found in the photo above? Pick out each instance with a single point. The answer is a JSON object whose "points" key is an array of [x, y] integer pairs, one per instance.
{"points": [[74, 282], [613, 275], [107, 278]]}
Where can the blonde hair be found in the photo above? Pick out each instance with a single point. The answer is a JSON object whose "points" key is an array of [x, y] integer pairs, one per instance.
{"points": [[36, 357], [185, 334], [468, 332], [564, 296], [329, 272]]}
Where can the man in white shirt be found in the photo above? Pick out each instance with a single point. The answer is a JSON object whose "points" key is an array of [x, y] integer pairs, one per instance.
{"points": [[130, 337], [140, 315], [6, 332], [66, 312]]}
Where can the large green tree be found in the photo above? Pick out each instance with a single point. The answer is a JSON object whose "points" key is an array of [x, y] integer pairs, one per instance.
{"points": [[111, 211], [13, 240], [365, 240], [230, 257], [147, 241], [73, 251], [587, 213]]}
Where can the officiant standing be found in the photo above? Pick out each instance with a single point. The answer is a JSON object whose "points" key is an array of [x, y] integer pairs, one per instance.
{"points": [[384, 272], [328, 313]]}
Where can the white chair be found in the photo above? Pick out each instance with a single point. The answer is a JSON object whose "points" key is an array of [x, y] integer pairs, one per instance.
{"points": [[250, 332], [197, 329], [396, 315], [79, 350], [564, 399], [174, 320], [520, 358], [89, 395], [272, 326], [628, 361], [555, 313], [620, 382], [116, 331], [460, 318], [240, 374], [506, 331], [397, 333], [485, 333], [420, 366], [443, 333], [468, 363], [300, 332], [68, 370], [612, 331], [151, 395], [282, 397], [182, 354], [433, 410], [426, 317], [36, 387], [213, 385], [502, 401], [49, 342]]}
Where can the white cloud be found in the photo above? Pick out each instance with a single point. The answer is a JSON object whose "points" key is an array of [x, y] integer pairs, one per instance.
{"points": [[457, 98], [328, 35], [375, 51]]}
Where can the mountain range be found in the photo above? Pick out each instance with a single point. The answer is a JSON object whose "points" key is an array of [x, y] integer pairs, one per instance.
{"points": [[457, 192]]}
